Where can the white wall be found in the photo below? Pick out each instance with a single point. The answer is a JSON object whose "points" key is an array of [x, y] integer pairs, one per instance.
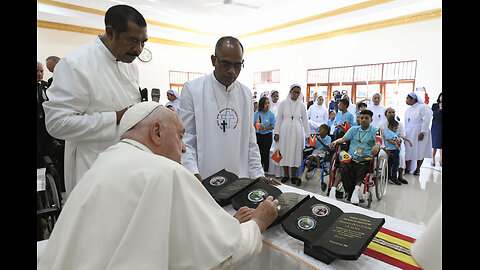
{"points": [[420, 41]]}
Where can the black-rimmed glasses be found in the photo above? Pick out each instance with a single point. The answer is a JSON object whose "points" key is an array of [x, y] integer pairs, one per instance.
{"points": [[227, 65]]}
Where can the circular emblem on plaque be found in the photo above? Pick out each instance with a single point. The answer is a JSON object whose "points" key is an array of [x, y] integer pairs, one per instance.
{"points": [[306, 223], [320, 210], [256, 195], [218, 180]]}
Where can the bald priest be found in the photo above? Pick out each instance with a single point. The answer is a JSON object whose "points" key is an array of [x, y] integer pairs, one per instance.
{"points": [[138, 208]]}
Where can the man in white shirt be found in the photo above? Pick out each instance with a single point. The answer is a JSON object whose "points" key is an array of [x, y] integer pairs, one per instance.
{"points": [[93, 87], [217, 113], [138, 208]]}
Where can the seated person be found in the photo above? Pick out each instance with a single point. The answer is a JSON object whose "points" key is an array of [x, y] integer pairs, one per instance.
{"points": [[363, 144], [342, 115], [322, 147], [137, 207]]}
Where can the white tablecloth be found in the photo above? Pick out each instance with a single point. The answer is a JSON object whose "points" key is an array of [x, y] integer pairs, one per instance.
{"points": [[281, 251]]}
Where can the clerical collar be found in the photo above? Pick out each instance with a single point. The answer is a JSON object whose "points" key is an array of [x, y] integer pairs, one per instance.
{"points": [[136, 144], [104, 49], [220, 85]]}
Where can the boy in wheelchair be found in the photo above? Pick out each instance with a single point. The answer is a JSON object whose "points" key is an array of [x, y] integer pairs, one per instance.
{"points": [[365, 141], [322, 148]]}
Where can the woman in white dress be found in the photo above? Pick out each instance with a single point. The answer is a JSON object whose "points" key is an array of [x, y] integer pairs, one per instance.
{"points": [[291, 118], [417, 128], [317, 115]]}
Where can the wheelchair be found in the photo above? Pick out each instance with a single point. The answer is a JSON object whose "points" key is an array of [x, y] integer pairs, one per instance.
{"points": [[376, 177], [49, 202], [325, 165]]}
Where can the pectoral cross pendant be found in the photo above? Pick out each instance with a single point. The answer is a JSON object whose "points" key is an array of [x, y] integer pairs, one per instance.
{"points": [[223, 125]]}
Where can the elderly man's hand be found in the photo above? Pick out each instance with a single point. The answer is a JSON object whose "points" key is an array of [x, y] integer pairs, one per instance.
{"points": [[269, 180], [266, 213], [244, 214]]}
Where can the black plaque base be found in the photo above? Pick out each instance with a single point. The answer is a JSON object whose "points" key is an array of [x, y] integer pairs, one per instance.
{"points": [[319, 255], [328, 233], [224, 185], [252, 196]]}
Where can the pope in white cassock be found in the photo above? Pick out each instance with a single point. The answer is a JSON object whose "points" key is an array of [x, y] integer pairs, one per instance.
{"points": [[138, 208], [217, 112], [417, 128], [93, 87]]}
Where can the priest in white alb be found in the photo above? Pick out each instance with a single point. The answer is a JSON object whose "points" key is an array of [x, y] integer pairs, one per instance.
{"points": [[138, 208], [217, 113], [93, 87]]}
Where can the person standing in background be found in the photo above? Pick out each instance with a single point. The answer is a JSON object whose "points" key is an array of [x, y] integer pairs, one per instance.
{"points": [[51, 62], [264, 120], [217, 112], [94, 86], [291, 129], [437, 129], [417, 121]]}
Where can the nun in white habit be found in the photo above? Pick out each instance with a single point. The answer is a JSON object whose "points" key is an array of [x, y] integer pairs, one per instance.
{"points": [[274, 101], [377, 109], [291, 119], [417, 123], [317, 114], [173, 99]]}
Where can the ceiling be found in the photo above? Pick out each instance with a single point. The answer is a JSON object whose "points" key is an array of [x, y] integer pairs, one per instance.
{"points": [[202, 22]]}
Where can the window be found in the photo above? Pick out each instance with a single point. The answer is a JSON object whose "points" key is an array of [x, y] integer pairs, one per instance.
{"points": [[362, 81], [270, 76], [265, 81], [178, 78]]}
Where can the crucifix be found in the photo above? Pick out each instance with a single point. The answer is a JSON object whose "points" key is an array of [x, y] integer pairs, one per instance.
{"points": [[223, 124]]}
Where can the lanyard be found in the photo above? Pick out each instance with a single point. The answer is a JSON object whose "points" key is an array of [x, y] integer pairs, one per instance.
{"points": [[360, 140]]}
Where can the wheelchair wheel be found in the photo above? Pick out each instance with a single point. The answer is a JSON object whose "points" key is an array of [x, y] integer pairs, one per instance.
{"points": [[381, 177], [51, 192]]}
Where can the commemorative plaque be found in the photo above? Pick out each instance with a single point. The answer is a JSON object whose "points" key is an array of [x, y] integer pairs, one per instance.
{"points": [[328, 233], [256, 193], [224, 185]]}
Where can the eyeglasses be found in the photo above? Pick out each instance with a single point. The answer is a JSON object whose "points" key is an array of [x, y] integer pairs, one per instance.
{"points": [[296, 92], [227, 65]]}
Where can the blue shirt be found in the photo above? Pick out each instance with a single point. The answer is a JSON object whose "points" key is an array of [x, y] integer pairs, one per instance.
{"points": [[327, 140], [267, 120], [361, 141], [390, 135], [341, 117]]}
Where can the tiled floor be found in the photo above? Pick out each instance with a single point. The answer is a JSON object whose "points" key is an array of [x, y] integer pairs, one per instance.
{"points": [[415, 202]]}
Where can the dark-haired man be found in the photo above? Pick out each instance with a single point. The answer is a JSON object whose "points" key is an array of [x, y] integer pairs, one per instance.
{"points": [[217, 113], [365, 143], [94, 85]]}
